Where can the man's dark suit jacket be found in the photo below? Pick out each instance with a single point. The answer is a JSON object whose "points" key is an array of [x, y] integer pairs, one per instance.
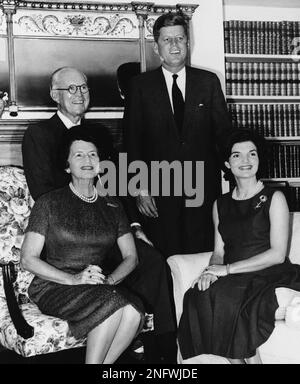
{"points": [[40, 150], [42, 162], [151, 134]]}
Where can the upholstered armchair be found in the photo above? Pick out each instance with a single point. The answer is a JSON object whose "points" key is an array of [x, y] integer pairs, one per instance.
{"points": [[24, 329]]}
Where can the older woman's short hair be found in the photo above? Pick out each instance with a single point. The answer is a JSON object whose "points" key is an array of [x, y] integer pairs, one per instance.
{"points": [[241, 136], [83, 132], [170, 19]]}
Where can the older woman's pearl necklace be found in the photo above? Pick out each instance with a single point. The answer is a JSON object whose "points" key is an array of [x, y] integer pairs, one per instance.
{"points": [[82, 197]]}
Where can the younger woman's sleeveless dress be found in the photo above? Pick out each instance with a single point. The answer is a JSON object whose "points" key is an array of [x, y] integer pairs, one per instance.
{"points": [[237, 313]]}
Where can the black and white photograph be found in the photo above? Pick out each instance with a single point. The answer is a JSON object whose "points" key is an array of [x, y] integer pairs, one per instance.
{"points": [[149, 185]]}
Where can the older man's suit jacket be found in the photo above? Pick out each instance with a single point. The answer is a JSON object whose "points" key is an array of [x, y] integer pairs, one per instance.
{"points": [[151, 134], [40, 150]]}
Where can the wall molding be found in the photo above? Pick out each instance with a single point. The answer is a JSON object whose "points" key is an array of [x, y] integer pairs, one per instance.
{"points": [[62, 24]]}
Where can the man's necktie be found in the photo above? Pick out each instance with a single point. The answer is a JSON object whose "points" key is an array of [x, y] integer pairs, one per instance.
{"points": [[178, 104]]}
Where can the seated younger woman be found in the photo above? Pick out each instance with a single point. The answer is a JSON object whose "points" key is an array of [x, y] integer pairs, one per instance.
{"points": [[230, 309]]}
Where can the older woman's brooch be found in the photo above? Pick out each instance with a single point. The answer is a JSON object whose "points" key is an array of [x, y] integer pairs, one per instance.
{"points": [[262, 200]]}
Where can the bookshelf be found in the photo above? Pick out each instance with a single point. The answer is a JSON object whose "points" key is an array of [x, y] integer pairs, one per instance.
{"points": [[262, 74], [235, 57]]}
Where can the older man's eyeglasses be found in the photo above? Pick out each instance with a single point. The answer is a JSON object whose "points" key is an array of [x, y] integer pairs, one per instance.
{"points": [[72, 89]]}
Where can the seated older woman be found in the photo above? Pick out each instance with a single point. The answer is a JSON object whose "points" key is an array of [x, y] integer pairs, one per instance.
{"points": [[78, 228]]}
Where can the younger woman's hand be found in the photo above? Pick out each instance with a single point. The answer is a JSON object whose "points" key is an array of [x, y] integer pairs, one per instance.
{"points": [[216, 269], [92, 274], [204, 281]]}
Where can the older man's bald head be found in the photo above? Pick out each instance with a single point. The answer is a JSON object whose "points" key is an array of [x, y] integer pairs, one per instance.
{"points": [[60, 73], [72, 105]]}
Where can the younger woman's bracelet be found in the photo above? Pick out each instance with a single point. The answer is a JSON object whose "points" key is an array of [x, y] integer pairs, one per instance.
{"points": [[228, 269], [110, 280]]}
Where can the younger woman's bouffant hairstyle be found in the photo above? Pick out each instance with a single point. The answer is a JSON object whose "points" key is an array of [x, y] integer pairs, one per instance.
{"points": [[240, 136]]}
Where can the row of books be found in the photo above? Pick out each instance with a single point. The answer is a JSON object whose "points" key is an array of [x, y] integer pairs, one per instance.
{"points": [[283, 161], [261, 37], [263, 79], [269, 120]]}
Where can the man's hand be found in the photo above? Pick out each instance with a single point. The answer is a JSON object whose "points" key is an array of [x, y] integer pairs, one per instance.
{"points": [[140, 234], [146, 204]]}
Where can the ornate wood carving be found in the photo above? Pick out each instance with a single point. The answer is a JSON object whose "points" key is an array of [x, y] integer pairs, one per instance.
{"points": [[63, 24], [3, 28]]}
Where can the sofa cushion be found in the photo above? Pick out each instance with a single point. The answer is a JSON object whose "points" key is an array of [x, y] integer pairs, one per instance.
{"points": [[294, 254], [285, 297]]}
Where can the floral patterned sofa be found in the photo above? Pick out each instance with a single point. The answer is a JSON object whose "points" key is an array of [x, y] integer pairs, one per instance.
{"points": [[23, 328]]}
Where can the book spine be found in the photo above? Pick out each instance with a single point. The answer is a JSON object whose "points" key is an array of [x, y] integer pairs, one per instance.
{"points": [[226, 37], [231, 36], [234, 78], [228, 73]]}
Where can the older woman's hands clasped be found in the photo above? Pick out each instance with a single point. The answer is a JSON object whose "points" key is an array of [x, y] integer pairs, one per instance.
{"points": [[92, 274]]}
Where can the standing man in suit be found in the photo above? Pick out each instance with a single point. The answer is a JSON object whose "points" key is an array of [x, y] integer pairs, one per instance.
{"points": [[176, 112], [40, 149]]}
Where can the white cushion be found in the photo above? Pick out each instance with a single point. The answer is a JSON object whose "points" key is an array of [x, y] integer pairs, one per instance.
{"points": [[294, 253], [185, 269]]}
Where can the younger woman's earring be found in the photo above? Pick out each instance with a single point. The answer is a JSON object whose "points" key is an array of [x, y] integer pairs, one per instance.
{"points": [[68, 170]]}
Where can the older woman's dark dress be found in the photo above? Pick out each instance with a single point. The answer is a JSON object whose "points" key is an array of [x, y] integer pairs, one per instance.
{"points": [[78, 234], [237, 313]]}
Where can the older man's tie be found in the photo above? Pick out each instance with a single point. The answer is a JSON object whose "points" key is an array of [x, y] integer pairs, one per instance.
{"points": [[178, 104]]}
